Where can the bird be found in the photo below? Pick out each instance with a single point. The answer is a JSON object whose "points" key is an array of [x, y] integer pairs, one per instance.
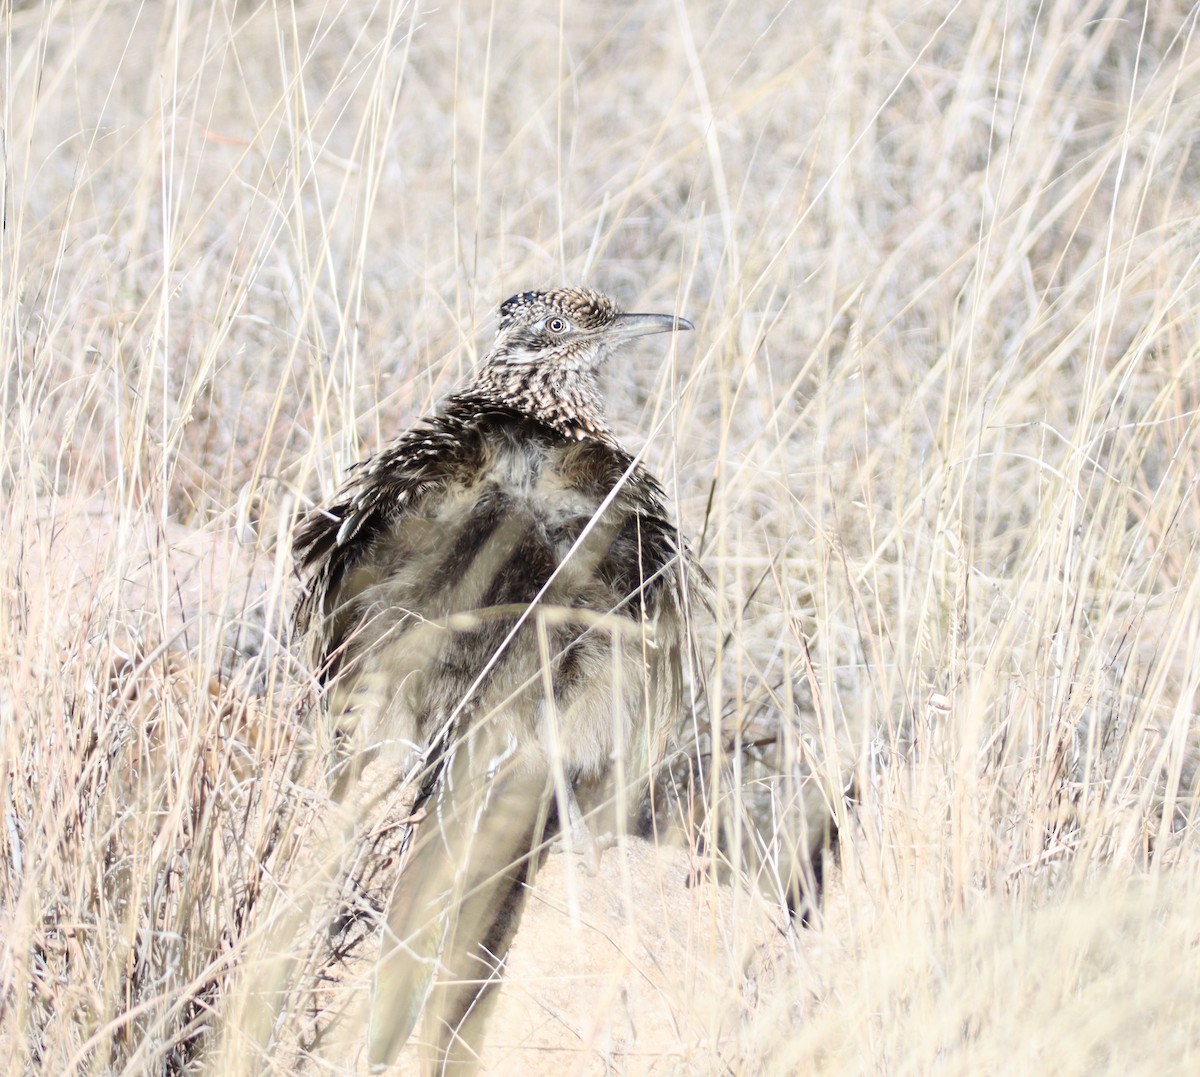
{"points": [[498, 607]]}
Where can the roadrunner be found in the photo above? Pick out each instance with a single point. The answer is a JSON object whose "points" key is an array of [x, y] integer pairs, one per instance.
{"points": [[497, 603]]}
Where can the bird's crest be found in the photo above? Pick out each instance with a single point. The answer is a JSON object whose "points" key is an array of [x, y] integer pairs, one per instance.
{"points": [[584, 308]]}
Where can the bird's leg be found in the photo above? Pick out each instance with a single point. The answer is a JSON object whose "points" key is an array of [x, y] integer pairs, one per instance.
{"points": [[577, 837]]}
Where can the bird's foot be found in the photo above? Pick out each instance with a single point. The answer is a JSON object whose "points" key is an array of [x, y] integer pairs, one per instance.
{"points": [[577, 837], [584, 844]]}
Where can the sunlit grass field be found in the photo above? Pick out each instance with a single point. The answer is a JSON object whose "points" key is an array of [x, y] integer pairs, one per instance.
{"points": [[935, 439]]}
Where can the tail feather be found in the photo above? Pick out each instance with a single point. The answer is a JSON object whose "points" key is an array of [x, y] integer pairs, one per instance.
{"points": [[457, 902]]}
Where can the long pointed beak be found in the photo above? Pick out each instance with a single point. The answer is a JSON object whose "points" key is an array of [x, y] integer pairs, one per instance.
{"points": [[629, 326]]}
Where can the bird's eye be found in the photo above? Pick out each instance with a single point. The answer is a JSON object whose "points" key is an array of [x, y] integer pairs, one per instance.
{"points": [[557, 325]]}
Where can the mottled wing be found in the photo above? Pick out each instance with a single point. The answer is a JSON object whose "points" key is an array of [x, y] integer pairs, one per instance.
{"points": [[331, 542]]}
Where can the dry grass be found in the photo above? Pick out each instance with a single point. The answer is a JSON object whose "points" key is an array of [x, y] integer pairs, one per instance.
{"points": [[936, 435]]}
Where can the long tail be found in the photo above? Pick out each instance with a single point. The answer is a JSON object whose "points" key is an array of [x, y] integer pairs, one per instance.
{"points": [[458, 901]]}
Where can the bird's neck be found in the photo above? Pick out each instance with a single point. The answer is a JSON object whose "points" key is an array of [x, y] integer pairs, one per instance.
{"points": [[567, 400]]}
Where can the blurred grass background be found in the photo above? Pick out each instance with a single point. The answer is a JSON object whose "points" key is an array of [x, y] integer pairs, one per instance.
{"points": [[935, 438]]}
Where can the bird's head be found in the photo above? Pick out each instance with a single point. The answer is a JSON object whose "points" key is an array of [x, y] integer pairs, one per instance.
{"points": [[547, 348], [573, 329]]}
